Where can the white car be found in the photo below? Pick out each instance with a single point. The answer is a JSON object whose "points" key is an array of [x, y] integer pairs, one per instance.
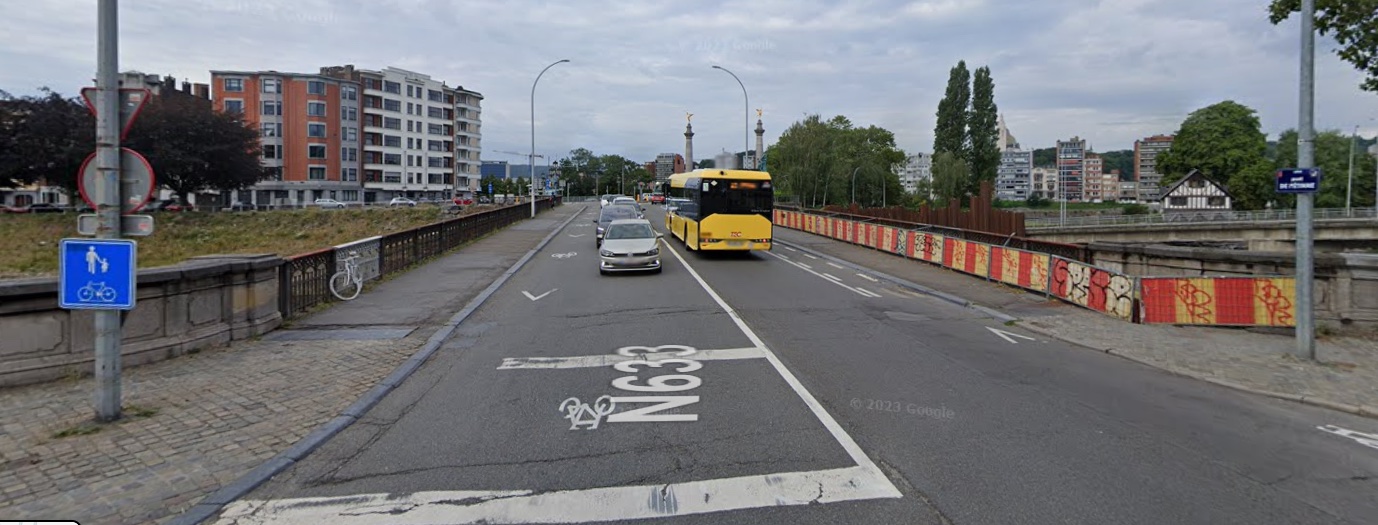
{"points": [[401, 201], [624, 200], [606, 200], [330, 203], [629, 245]]}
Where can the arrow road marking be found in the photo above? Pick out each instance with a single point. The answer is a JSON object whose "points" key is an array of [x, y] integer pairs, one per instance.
{"points": [[1008, 336], [563, 255], [1370, 440], [536, 297]]}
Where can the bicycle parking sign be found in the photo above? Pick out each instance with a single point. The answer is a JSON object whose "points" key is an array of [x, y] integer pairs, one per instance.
{"points": [[97, 274]]}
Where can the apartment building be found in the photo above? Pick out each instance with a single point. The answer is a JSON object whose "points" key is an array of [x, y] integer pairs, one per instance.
{"points": [[668, 164], [1093, 182], [1146, 153], [1071, 169], [420, 137], [1044, 183], [1129, 191], [1013, 179], [310, 133], [917, 168]]}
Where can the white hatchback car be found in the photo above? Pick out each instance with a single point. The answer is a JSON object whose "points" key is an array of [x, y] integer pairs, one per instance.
{"points": [[629, 245], [330, 204]]}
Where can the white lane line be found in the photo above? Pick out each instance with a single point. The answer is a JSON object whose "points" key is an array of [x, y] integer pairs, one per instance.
{"points": [[848, 444], [867, 292], [790, 249], [833, 277], [594, 361], [783, 257], [835, 265], [809, 256], [868, 278], [568, 506], [806, 268]]}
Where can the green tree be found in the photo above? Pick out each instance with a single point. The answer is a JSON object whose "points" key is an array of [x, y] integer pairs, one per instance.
{"points": [[44, 138], [950, 174], [1332, 149], [1220, 140], [1036, 201], [1122, 160], [193, 148], [983, 132], [707, 163], [950, 132], [1045, 157], [813, 162], [1253, 187], [1353, 24]]}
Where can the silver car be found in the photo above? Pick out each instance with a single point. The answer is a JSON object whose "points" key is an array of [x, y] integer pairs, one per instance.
{"points": [[629, 245]]}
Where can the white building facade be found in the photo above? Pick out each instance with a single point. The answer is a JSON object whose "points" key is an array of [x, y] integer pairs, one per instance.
{"points": [[917, 168]]}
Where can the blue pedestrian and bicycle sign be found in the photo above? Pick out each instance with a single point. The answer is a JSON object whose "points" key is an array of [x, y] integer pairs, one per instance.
{"points": [[97, 274], [1299, 180]]}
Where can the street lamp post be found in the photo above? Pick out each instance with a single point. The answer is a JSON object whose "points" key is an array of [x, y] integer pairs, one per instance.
{"points": [[532, 163], [1349, 186], [746, 106], [854, 184]]}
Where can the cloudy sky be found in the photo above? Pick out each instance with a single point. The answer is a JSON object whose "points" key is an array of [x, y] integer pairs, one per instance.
{"points": [[1110, 71]]}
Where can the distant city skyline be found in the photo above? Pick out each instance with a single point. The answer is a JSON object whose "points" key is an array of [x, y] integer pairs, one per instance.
{"points": [[1129, 70]]}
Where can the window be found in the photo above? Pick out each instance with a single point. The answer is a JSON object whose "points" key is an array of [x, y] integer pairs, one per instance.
{"points": [[349, 93], [315, 129], [349, 154], [272, 85], [394, 159], [234, 84], [315, 172], [351, 195], [392, 141], [315, 87], [435, 112], [409, 90], [392, 87], [315, 151], [435, 96], [392, 123], [272, 129], [234, 106], [1177, 201], [409, 126], [435, 129], [392, 176], [350, 113], [1196, 183], [315, 109], [392, 104], [271, 151], [272, 107], [1216, 202], [435, 145]]}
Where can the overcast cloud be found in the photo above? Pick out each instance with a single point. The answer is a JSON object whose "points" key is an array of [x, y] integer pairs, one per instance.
{"points": [[1109, 71]]}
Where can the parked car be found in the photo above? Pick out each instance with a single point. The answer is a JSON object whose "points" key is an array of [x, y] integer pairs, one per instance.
{"points": [[45, 207], [629, 245], [330, 204], [606, 199], [242, 206], [167, 205], [401, 201]]}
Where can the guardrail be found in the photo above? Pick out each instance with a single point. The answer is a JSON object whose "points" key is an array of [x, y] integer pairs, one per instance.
{"points": [[1181, 217], [303, 281]]}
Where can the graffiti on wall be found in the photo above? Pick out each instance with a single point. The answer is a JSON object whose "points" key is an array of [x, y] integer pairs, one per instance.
{"points": [[1094, 288], [1236, 301]]}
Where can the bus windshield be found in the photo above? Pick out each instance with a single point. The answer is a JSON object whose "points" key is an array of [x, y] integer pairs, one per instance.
{"points": [[737, 196]]}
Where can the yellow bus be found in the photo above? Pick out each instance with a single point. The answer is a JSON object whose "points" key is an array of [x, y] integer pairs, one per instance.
{"points": [[722, 209]]}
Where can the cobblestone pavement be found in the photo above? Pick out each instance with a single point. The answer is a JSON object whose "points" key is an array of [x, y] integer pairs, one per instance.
{"points": [[1344, 375], [198, 422]]}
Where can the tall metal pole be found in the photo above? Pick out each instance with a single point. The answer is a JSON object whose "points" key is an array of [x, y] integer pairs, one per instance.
{"points": [[1306, 329], [108, 330], [854, 184], [532, 163], [746, 112], [1349, 186]]}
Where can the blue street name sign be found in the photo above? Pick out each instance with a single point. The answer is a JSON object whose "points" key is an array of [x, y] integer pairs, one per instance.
{"points": [[1299, 180], [97, 274]]}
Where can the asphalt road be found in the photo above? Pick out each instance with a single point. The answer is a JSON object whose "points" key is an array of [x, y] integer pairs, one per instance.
{"points": [[803, 392]]}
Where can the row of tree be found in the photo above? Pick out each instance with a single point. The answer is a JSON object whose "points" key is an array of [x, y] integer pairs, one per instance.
{"points": [[1226, 143], [965, 150], [819, 162], [191, 147]]}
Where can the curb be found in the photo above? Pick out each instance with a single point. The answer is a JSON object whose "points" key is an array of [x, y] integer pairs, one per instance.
{"points": [[213, 503], [959, 301], [1358, 410]]}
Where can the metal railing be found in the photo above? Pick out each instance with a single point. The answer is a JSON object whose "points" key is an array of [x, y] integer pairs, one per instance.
{"points": [[1181, 217], [303, 281]]}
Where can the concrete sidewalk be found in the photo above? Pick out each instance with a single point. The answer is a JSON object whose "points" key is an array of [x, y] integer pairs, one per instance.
{"points": [[199, 422], [1344, 377]]}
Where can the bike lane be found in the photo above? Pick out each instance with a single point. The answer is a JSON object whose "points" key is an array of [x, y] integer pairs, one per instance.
{"points": [[573, 397]]}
